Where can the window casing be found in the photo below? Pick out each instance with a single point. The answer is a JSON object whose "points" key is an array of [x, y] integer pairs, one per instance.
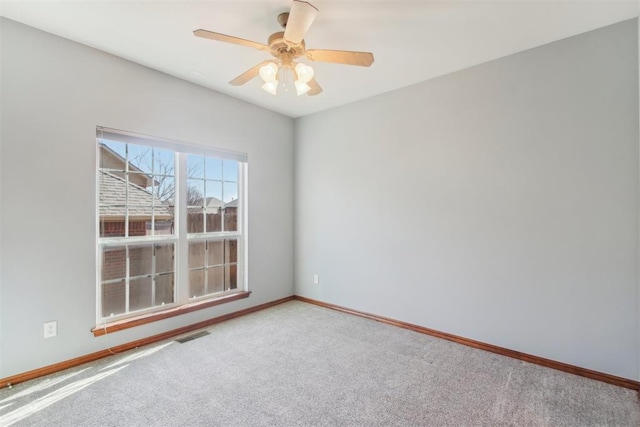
{"points": [[171, 224]]}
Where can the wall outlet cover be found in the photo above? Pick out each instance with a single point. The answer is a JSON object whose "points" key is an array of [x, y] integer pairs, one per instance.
{"points": [[50, 329]]}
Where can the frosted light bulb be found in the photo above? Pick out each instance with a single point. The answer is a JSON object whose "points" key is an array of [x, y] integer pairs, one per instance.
{"points": [[269, 72], [270, 87], [305, 72], [302, 87]]}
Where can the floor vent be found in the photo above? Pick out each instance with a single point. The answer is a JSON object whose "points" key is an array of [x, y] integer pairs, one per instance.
{"points": [[192, 337]]}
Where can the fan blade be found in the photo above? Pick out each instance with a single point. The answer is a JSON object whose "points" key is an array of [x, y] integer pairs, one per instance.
{"points": [[315, 88], [229, 39], [300, 19], [248, 75], [362, 59]]}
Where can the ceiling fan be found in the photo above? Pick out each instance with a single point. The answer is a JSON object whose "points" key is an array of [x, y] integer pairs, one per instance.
{"points": [[287, 46]]}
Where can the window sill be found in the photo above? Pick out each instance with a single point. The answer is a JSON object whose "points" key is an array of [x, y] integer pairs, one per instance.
{"points": [[131, 322]]}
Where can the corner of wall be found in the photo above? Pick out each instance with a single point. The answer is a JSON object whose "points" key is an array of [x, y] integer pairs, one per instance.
{"points": [[638, 144], [1, 126]]}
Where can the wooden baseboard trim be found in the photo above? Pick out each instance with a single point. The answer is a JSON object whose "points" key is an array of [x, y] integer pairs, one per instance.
{"points": [[46, 370], [576, 370]]}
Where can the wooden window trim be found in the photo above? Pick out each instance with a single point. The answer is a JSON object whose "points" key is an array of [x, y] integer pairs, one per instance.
{"points": [[143, 319]]}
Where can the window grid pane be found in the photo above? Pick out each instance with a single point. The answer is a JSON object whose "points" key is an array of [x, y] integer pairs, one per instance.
{"points": [[137, 189], [213, 266], [212, 185], [137, 277]]}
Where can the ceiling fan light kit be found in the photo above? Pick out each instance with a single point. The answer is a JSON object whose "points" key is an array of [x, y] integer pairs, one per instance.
{"points": [[269, 75], [286, 46]]}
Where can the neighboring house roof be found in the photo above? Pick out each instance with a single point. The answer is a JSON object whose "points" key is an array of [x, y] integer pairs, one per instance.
{"points": [[113, 190], [213, 205], [213, 202], [109, 159]]}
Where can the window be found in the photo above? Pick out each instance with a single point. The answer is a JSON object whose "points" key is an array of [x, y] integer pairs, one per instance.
{"points": [[171, 223], [212, 224]]}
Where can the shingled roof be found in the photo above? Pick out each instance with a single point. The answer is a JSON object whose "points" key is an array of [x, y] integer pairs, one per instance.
{"points": [[116, 164], [113, 191]]}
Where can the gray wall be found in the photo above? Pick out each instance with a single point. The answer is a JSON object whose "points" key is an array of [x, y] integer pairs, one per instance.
{"points": [[499, 203], [54, 93]]}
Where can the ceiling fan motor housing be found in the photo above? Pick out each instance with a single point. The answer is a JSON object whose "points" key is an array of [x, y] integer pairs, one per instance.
{"points": [[281, 49]]}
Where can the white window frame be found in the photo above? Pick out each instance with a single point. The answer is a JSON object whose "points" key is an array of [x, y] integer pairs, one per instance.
{"points": [[180, 238]]}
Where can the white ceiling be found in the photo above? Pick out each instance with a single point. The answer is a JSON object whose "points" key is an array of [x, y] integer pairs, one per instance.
{"points": [[412, 41]]}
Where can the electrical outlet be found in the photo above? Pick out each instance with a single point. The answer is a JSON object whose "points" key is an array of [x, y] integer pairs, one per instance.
{"points": [[316, 279], [50, 329]]}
